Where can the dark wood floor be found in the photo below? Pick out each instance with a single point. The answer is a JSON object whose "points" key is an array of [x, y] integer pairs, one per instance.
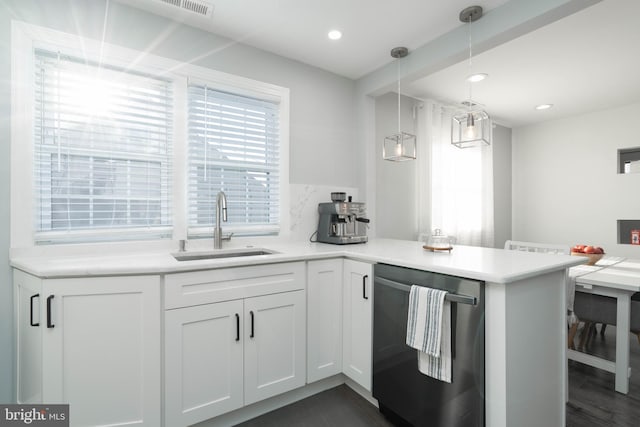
{"points": [[592, 399], [338, 407]]}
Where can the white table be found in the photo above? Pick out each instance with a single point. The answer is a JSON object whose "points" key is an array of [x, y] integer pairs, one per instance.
{"points": [[618, 280]]}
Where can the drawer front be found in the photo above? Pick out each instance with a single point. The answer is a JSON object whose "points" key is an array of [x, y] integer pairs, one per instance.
{"points": [[225, 284]]}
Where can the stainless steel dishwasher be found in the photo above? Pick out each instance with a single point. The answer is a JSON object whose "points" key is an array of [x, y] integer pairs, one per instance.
{"points": [[406, 396]]}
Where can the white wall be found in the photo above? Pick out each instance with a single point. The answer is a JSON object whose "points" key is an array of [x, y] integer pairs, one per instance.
{"points": [[501, 185], [396, 208], [566, 188], [322, 130], [396, 185], [6, 292]]}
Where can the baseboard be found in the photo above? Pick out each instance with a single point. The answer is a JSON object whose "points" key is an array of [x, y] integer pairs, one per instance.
{"points": [[361, 391], [259, 408]]}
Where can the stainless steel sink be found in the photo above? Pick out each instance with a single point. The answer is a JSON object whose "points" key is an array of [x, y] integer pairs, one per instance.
{"points": [[230, 253]]}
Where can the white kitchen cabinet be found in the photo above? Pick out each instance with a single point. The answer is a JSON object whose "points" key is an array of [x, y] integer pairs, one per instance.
{"points": [[357, 322], [97, 347], [203, 362], [245, 344], [324, 319], [27, 302], [225, 284], [274, 356]]}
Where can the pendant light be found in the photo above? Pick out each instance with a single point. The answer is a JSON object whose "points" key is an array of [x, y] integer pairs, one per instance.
{"points": [[401, 146], [471, 128]]}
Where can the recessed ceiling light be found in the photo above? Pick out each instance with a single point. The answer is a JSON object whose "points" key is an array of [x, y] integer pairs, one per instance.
{"points": [[334, 35], [478, 77], [543, 106]]}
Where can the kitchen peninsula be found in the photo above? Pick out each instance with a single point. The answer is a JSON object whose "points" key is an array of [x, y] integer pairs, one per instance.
{"points": [[524, 295]]}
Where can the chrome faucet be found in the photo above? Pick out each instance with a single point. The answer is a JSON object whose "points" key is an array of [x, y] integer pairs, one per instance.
{"points": [[221, 211]]}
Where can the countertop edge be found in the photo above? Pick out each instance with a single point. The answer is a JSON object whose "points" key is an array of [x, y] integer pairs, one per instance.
{"points": [[162, 263]]}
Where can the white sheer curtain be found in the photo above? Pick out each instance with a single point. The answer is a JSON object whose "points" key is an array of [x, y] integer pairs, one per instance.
{"points": [[456, 185]]}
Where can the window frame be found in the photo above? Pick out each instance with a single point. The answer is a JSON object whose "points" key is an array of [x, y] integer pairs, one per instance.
{"points": [[195, 231], [25, 38], [46, 148]]}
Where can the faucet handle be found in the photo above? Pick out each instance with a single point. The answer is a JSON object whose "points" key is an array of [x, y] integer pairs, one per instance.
{"points": [[227, 237]]}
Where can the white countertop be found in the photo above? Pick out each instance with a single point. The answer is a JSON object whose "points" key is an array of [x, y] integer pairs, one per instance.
{"points": [[609, 272], [624, 275], [486, 264]]}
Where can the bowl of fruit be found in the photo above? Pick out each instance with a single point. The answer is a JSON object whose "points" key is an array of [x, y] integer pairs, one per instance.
{"points": [[594, 253]]}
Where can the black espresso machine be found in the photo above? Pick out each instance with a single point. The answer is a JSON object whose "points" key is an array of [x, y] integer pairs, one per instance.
{"points": [[342, 222]]}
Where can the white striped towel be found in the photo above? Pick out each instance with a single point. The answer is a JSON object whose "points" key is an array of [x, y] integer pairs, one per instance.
{"points": [[429, 331]]}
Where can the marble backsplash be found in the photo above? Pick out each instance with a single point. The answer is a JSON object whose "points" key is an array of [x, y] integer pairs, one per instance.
{"points": [[303, 208]]}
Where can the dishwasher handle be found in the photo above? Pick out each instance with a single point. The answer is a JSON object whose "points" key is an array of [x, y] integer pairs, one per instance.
{"points": [[459, 298]]}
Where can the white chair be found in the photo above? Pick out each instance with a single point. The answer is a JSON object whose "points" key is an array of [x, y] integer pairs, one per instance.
{"points": [[592, 309], [537, 247]]}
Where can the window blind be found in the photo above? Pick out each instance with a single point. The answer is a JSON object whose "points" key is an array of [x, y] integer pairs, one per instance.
{"points": [[103, 142], [233, 147]]}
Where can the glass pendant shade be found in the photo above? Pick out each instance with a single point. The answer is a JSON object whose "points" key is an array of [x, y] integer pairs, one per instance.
{"points": [[399, 147], [471, 129]]}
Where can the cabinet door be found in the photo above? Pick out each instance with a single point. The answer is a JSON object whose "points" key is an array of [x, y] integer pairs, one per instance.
{"points": [[101, 349], [274, 345], [357, 322], [28, 299], [203, 362], [324, 319]]}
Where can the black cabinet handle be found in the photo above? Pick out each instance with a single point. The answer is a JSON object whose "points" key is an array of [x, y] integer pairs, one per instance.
{"points": [[237, 327], [252, 334], [31, 310], [364, 286], [49, 323]]}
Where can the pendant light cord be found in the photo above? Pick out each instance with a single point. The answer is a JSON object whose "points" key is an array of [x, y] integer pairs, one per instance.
{"points": [[470, 56], [398, 71]]}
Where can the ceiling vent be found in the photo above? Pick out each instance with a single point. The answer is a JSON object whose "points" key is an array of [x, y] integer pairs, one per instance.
{"points": [[186, 11], [203, 8]]}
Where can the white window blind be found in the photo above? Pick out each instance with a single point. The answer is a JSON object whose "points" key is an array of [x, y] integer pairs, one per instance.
{"points": [[233, 147], [102, 151]]}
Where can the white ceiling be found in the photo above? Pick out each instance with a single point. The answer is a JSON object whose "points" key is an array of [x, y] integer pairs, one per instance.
{"points": [[298, 29], [584, 62]]}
